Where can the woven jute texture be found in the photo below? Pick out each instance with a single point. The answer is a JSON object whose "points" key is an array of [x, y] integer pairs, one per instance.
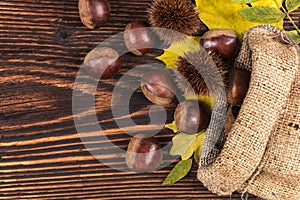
{"points": [[261, 154]]}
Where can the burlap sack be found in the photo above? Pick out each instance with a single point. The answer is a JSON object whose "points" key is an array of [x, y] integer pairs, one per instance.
{"points": [[261, 154]]}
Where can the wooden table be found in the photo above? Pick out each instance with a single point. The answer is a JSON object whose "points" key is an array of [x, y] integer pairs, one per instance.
{"points": [[42, 45]]}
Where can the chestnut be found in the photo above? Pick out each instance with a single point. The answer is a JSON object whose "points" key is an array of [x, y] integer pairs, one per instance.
{"points": [[158, 87], [191, 117], [102, 62], [143, 153], [231, 116], [138, 37], [238, 85], [94, 13], [223, 41]]}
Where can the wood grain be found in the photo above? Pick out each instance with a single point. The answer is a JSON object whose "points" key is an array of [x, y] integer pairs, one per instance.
{"points": [[42, 45]]}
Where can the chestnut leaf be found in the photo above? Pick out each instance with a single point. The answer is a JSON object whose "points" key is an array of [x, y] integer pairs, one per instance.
{"points": [[292, 5], [171, 54], [225, 14], [172, 126], [180, 170], [186, 144], [245, 1], [294, 36], [197, 155], [262, 14], [269, 3]]}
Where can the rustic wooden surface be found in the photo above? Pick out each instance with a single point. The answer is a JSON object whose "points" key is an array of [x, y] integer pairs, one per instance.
{"points": [[42, 44]]}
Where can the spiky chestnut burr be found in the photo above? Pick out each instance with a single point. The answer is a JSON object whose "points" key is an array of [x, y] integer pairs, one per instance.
{"points": [[188, 77], [173, 16]]}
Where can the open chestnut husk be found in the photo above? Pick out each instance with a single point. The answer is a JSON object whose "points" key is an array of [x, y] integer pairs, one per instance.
{"points": [[158, 87], [223, 41], [102, 62], [138, 37], [143, 153], [191, 117]]}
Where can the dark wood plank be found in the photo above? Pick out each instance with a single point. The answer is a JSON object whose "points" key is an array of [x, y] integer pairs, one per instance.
{"points": [[42, 45]]}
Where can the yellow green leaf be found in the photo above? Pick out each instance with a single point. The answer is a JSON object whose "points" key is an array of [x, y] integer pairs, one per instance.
{"points": [[186, 144], [180, 170], [294, 36], [263, 14], [197, 143], [181, 145], [269, 3], [172, 126], [197, 155], [245, 1], [225, 14], [171, 54], [292, 5]]}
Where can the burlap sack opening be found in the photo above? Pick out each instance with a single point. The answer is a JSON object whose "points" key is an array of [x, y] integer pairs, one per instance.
{"points": [[261, 154]]}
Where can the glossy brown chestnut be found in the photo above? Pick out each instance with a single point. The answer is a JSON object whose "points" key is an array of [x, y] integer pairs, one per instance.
{"points": [[94, 13], [102, 62], [138, 37], [143, 154], [223, 41], [238, 85], [158, 87], [190, 117]]}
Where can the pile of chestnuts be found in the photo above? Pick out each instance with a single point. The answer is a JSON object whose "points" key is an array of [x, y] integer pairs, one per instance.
{"points": [[144, 153]]}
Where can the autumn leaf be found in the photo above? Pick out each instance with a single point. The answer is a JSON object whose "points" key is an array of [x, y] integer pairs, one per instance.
{"points": [[294, 36], [269, 3], [292, 5], [197, 155], [181, 145], [197, 142], [171, 54], [225, 14], [245, 1], [172, 126], [186, 144], [180, 170], [262, 14]]}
